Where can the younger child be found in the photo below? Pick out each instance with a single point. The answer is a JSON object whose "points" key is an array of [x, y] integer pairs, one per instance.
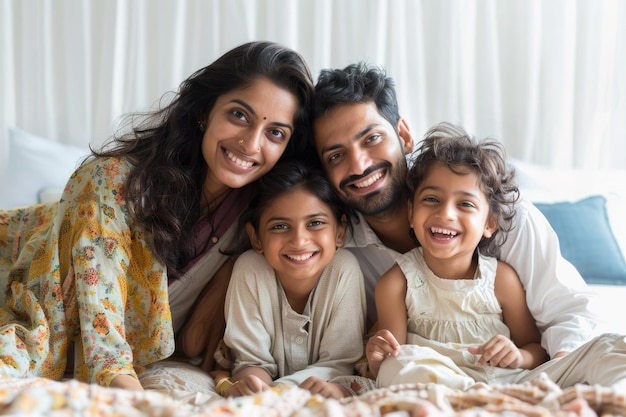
{"points": [[295, 306], [459, 312]]}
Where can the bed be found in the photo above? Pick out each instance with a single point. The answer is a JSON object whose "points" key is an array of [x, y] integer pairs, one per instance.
{"points": [[37, 396]]}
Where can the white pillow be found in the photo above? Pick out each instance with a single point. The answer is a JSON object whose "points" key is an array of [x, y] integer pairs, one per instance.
{"points": [[36, 164]]}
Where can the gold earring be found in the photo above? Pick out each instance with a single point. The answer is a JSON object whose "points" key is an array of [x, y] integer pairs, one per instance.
{"points": [[241, 141]]}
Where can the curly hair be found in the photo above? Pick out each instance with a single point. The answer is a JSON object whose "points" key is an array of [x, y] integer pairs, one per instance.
{"points": [[450, 145], [164, 146]]}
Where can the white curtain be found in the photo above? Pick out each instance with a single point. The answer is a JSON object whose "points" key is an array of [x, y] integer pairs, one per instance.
{"points": [[547, 78]]}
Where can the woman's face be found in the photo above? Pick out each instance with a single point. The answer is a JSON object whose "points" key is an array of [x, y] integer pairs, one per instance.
{"points": [[246, 133]]}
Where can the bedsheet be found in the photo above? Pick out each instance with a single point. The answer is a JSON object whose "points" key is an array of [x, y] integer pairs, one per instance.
{"points": [[541, 397]]}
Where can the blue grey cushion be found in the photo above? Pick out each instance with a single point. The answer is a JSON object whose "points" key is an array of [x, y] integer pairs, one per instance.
{"points": [[587, 240]]}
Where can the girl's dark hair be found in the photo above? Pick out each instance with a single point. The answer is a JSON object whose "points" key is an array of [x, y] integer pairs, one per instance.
{"points": [[451, 145], [164, 147], [287, 176]]}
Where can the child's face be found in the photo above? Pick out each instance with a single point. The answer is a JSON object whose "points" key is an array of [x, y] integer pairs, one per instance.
{"points": [[298, 235], [450, 214]]}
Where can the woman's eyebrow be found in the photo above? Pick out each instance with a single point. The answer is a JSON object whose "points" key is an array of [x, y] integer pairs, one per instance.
{"points": [[251, 110]]}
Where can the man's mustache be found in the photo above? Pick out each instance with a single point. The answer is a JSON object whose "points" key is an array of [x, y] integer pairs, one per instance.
{"points": [[368, 171]]}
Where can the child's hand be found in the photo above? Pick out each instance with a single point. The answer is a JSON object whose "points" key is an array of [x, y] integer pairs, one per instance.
{"points": [[247, 385], [378, 347], [317, 385], [498, 351], [126, 382]]}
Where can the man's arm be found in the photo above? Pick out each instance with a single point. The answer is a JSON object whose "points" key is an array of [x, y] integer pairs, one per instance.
{"points": [[557, 296]]}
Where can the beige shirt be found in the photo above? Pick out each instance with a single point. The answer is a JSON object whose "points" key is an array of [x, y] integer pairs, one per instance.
{"points": [[264, 331]]}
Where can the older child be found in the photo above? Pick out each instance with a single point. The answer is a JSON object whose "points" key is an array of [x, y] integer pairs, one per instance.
{"points": [[295, 306], [459, 312]]}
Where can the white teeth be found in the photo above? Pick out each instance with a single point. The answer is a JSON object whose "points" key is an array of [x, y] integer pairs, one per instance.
{"points": [[369, 181], [442, 231], [300, 258], [238, 161]]}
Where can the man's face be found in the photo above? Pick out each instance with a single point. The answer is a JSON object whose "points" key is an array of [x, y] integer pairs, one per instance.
{"points": [[363, 156]]}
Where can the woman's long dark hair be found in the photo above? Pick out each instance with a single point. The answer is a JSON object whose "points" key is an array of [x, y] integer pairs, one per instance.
{"points": [[164, 187]]}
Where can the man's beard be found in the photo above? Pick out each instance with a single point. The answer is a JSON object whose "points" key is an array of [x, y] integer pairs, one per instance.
{"points": [[379, 202]]}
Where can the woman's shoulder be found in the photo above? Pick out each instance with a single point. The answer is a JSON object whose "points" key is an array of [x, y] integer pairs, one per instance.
{"points": [[97, 179], [104, 166]]}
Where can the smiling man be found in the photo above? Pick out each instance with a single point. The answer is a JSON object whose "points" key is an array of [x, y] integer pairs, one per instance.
{"points": [[362, 142]]}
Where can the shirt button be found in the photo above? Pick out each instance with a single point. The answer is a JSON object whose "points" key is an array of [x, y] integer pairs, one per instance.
{"points": [[299, 340]]}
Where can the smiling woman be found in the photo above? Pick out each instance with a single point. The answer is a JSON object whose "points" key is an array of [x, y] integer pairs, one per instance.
{"points": [[113, 267], [247, 132]]}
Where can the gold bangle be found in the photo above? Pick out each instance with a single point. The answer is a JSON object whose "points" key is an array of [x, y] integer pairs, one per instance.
{"points": [[223, 385]]}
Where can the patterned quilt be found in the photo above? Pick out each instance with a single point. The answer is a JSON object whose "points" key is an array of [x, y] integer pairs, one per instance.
{"points": [[42, 397]]}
